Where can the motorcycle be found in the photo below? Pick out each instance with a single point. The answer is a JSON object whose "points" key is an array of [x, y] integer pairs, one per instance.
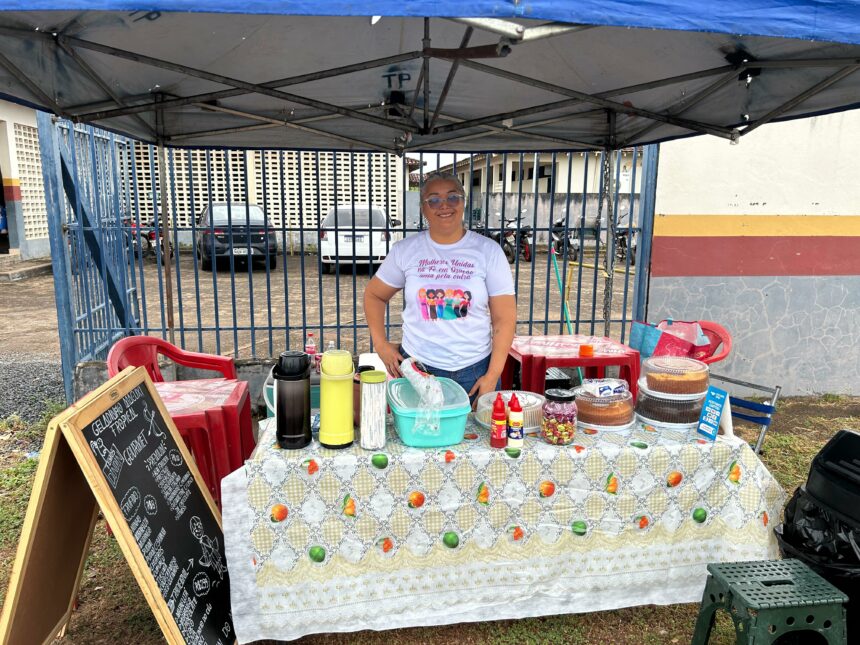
{"points": [[143, 242], [513, 240], [518, 240], [623, 248], [569, 242]]}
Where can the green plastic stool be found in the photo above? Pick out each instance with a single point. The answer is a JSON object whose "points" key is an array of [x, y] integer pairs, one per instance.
{"points": [[769, 599]]}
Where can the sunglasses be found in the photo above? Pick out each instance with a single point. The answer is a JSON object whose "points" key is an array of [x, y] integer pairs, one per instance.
{"points": [[452, 199]]}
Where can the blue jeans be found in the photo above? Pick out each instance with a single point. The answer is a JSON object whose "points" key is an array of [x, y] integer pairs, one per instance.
{"points": [[465, 377]]}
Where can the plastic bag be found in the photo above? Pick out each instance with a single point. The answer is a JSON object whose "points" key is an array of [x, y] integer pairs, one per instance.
{"points": [[650, 341], [669, 338], [430, 396], [691, 332], [820, 535]]}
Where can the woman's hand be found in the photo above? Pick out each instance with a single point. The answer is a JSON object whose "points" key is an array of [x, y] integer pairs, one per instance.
{"points": [[390, 355], [483, 385]]}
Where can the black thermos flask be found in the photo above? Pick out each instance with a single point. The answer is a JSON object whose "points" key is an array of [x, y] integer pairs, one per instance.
{"points": [[292, 380]]}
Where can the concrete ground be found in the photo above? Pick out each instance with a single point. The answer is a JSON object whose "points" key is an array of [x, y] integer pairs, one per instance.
{"points": [[28, 321]]}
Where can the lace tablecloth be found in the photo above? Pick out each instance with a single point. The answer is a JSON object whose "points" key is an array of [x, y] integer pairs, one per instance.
{"points": [[319, 540]]}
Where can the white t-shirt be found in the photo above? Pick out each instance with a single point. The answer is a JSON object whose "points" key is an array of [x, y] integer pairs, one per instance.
{"points": [[446, 287]]}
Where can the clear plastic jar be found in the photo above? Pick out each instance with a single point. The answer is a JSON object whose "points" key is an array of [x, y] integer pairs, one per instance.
{"points": [[559, 417]]}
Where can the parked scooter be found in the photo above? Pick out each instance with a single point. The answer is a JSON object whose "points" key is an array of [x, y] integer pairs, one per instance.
{"points": [[623, 248], [514, 240], [573, 243], [144, 244], [518, 239], [562, 242]]}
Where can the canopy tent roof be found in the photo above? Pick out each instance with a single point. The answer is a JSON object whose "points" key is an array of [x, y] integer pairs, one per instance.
{"points": [[518, 75]]}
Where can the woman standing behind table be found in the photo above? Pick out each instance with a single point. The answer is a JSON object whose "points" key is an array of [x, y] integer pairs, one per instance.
{"points": [[470, 350]]}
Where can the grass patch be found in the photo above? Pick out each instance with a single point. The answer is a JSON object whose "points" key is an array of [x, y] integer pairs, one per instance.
{"points": [[15, 484], [832, 398], [788, 456]]}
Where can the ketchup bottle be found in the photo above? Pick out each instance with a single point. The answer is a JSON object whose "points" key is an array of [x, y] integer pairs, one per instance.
{"points": [[499, 425]]}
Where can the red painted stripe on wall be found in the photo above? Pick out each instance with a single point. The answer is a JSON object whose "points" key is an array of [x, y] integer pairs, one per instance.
{"points": [[12, 193], [739, 256]]}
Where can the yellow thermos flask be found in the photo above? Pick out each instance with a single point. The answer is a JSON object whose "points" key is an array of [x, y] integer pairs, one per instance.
{"points": [[336, 391]]}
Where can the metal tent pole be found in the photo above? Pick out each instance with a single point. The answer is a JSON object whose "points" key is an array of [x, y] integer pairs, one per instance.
{"points": [[165, 232]]}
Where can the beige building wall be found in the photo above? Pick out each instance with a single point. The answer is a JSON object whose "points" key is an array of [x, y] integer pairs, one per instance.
{"points": [[21, 166], [270, 178], [805, 167], [568, 165]]}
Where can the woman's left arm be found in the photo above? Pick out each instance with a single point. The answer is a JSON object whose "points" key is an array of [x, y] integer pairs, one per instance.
{"points": [[503, 314]]}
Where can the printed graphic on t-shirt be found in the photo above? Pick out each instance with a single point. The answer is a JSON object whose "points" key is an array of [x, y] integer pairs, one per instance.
{"points": [[438, 300], [444, 302]]}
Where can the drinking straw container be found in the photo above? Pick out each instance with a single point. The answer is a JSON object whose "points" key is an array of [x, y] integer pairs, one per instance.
{"points": [[373, 409]]}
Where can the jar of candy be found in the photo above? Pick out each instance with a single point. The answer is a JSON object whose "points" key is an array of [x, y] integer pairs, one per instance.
{"points": [[559, 417]]}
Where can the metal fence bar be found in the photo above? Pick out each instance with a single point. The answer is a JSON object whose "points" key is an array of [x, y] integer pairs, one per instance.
{"points": [[535, 162], [354, 248], [194, 242], [84, 267], [249, 254], [211, 225], [647, 197], [156, 229], [266, 211], [174, 256], [231, 249], [281, 192], [630, 245], [319, 238], [55, 206]]}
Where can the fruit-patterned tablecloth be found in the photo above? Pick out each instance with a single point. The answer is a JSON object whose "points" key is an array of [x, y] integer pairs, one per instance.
{"points": [[320, 540]]}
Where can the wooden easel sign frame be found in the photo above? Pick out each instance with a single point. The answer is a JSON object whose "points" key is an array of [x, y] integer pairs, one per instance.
{"points": [[118, 450]]}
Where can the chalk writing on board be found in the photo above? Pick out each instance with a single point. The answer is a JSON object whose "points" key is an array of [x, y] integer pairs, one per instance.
{"points": [[150, 416], [111, 458], [211, 553], [130, 502], [174, 487]]}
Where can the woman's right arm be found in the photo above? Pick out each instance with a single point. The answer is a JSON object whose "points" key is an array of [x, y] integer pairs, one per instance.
{"points": [[376, 297]]}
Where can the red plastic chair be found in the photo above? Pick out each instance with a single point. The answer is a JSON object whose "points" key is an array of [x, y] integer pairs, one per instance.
{"points": [[143, 351], [719, 336], [219, 433]]}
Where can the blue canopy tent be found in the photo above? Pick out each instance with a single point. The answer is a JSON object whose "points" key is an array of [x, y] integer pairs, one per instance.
{"points": [[402, 76]]}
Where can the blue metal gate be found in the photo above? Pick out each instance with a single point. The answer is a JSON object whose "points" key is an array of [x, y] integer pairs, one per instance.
{"points": [[134, 234]]}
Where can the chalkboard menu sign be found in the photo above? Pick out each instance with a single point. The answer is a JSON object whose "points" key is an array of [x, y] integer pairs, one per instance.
{"points": [[172, 525], [119, 446]]}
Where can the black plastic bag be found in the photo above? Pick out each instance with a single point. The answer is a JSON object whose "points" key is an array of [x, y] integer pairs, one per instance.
{"points": [[820, 535]]}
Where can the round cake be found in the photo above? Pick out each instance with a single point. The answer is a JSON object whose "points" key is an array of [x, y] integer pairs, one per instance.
{"points": [[616, 410], [675, 375], [667, 410]]}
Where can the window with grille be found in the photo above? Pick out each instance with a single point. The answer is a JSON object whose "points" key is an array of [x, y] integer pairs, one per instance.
{"points": [[30, 175]]}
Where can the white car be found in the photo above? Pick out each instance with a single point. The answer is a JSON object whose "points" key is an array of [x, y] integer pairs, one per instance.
{"points": [[356, 234]]}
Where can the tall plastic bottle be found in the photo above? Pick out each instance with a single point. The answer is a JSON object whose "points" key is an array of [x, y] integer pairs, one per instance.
{"points": [[515, 423], [311, 350], [499, 425]]}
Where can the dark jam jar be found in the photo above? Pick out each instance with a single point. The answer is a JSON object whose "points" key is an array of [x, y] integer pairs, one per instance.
{"points": [[559, 417]]}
